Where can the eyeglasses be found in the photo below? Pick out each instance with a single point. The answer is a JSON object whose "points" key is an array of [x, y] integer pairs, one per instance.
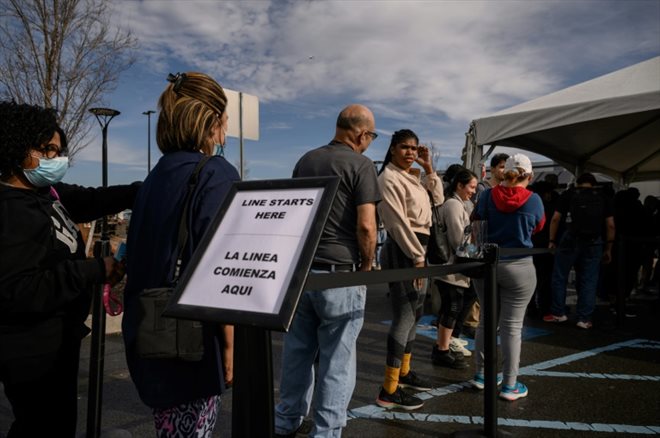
{"points": [[373, 135], [52, 151]]}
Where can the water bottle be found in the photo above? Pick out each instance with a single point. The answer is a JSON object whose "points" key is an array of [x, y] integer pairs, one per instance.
{"points": [[120, 266], [121, 252]]}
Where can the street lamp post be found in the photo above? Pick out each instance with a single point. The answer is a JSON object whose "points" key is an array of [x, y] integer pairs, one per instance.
{"points": [[148, 114], [101, 249]]}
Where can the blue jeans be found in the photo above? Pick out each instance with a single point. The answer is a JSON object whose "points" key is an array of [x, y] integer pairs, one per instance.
{"points": [[328, 322], [585, 256]]}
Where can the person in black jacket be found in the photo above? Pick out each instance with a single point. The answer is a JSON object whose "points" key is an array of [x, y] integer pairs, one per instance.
{"points": [[46, 280], [539, 306]]}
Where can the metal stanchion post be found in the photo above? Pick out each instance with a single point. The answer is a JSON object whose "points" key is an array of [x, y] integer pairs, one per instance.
{"points": [[489, 309], [101, 249], [489, 306], [97, 351]]}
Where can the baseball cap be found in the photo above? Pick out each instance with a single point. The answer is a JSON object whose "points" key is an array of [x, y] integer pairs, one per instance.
{"points": [[518, 161]]}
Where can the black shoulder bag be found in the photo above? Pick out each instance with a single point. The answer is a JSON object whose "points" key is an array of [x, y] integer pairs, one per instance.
{"points": [[159, 337], [438, 251]]}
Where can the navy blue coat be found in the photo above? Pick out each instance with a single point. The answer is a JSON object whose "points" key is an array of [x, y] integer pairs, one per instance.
{"points": [[151, 254]]}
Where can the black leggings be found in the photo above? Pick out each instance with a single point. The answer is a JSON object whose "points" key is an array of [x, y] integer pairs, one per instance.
{"points": [[452, 308], [46, 405], [469, 298]]}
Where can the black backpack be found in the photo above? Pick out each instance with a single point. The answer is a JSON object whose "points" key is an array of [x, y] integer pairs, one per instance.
{"points": [[586, 213]]}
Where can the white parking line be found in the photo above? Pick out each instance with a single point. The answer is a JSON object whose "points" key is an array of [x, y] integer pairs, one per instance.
{"points": [[591, 375], [376, 412]]}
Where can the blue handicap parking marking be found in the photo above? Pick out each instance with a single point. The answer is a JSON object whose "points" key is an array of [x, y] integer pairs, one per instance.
{"points": [[426, 328]]}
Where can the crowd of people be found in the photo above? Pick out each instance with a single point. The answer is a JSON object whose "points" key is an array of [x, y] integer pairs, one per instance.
{"points": [[47, 279]]}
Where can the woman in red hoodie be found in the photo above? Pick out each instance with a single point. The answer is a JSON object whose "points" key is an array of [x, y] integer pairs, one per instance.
{"points": [[513, 213]]}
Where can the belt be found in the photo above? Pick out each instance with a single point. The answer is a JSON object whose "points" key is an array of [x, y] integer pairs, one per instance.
{"points": [[347, 267]]}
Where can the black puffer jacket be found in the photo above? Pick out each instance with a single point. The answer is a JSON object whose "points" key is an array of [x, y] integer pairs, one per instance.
{"points": [[45, 279]]}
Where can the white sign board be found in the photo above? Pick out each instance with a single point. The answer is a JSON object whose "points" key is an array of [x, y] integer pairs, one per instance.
{"points": [[257, 251], [250, 106]]}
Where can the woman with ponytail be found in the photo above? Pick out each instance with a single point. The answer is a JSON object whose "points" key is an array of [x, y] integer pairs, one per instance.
{"points": [[455, 287]]}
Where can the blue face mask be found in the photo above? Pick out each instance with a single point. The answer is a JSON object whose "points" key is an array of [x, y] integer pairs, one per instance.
{"points": [[49, 171], [219, 150]]}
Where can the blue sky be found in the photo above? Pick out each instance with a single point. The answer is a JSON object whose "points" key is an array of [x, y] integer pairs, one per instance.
{"points": [[429, 66]]}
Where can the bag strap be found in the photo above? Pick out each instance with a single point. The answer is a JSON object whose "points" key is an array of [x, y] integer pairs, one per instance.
{"points": [[436, 217], [183, 223]]}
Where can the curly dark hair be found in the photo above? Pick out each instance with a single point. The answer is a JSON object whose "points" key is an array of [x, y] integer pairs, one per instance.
{"points": [[22, 127]]}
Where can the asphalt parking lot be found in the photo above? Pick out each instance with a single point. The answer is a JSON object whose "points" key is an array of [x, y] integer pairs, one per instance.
{"points": [[582, 383]]}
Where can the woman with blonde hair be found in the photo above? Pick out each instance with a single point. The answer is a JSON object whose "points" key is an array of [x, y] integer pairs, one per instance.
{"points": [[183, 394], [513, 213]]}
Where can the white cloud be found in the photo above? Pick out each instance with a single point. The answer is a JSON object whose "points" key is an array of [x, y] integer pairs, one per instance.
{"points": [[431, 66], [279, 126], [459, 59]]}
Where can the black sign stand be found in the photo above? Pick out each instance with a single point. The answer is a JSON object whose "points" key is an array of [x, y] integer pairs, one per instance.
{"points": [[252, 398]]}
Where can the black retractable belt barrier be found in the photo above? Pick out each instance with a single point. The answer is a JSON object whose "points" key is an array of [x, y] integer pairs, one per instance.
{"points": [[316, 281]]}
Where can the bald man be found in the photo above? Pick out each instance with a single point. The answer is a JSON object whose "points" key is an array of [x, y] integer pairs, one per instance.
{"points": [[329, 321]]}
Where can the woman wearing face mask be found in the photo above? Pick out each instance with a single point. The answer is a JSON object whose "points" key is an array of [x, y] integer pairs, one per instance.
{"points": [[46, 280], [454, 287], [192, 124], [405, 210]]}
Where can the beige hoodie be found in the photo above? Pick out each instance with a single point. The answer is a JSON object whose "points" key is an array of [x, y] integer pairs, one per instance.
{"points": [[405, 208]]}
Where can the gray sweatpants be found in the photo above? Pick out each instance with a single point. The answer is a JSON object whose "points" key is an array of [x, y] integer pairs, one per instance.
{"points": [[516, 281]]}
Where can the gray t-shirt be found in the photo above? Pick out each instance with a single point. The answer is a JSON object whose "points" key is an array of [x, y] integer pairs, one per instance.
{"points": [[358, 186]]}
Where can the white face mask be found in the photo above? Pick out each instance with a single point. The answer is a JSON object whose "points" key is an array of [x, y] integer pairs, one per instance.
{"points": [[49, 171]]}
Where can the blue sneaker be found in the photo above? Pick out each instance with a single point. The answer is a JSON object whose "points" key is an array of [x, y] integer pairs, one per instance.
{"points": [[514, 392], [478, 381]]}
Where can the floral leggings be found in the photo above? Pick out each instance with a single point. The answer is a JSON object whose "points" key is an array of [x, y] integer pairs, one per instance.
{"points": [[187, 420]]}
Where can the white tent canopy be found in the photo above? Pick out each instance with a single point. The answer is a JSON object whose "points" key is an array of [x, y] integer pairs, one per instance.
{"points": [[610, 124]]}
